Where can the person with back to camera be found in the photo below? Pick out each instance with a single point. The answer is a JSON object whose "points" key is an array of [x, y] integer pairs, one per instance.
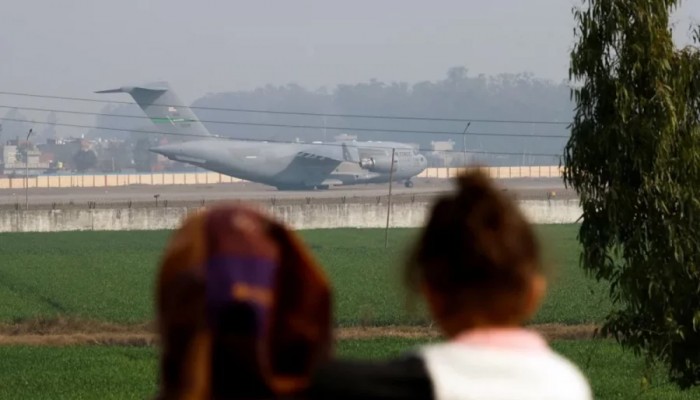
{"points": [[477, 263], [243, 309]]}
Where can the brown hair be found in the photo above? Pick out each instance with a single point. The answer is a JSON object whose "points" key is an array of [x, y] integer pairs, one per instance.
{"points": [[477, 253], [229, 329]]}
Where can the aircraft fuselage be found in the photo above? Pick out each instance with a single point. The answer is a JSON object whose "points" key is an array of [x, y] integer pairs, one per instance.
{"points": [[284, 165], [279, 164]]}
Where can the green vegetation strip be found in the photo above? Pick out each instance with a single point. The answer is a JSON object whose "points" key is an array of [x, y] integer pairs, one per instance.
{"points": [[105, 372], [108, 276]]}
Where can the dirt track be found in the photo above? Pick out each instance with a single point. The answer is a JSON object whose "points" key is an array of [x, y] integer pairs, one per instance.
{"points": [[71, 332]]}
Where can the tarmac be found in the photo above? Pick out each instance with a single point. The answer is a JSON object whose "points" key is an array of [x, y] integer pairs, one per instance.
{"points": [[525, 188]]}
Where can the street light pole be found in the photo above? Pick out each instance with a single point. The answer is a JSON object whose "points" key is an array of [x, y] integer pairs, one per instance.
{"points": [[388, 207], [26, 172], [464, 144]]}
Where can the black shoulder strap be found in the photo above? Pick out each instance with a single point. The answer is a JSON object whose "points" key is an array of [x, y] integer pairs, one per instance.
{"points": [[400, 379]]}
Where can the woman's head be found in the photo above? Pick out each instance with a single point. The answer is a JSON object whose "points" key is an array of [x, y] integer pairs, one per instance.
{"points": [[477, 261], [243, 309]]}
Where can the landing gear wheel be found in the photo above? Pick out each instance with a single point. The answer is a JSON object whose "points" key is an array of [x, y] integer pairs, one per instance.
{"points": [[408, 184]]}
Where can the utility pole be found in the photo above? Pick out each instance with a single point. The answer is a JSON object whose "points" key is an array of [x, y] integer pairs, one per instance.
{"points": [[26, 172], [388, 207], [464, 143]]}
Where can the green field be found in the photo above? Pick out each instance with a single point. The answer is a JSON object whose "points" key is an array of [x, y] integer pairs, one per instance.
{"points": [[93, 372], [108, 276]]}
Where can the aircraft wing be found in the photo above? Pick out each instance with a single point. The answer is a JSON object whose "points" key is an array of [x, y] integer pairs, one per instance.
{"points": [[323, 158], [318, 161], [334, 151]]}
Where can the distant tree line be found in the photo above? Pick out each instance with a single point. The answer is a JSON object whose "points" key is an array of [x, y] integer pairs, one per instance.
{"points": [[519, 97]]}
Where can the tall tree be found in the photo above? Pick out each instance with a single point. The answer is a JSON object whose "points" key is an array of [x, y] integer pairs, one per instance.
{"points": [[634, 158]]}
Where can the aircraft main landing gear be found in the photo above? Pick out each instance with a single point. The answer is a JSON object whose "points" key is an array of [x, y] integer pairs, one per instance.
{"points": [[408, 183]]}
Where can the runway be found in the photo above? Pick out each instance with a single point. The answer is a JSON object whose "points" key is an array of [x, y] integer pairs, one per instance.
{"points": [[426, 187]]}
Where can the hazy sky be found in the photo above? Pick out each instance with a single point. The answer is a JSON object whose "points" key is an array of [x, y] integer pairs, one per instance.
{"points": [[73, 47]]}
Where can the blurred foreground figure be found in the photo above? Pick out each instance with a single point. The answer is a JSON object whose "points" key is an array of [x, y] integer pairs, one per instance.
{"points": [[243, 310], [477, 264]]}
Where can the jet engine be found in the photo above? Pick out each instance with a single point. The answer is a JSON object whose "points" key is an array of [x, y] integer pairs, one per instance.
{"points": [[378, 164]]}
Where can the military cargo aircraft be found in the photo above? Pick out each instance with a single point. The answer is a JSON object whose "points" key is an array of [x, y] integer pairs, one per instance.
{"points": [[286, 166]]}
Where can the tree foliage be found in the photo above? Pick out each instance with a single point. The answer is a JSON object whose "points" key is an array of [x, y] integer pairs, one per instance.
{"points": [[22, 149], [634, 158], [459, 94], [143, 158], [84, 160]]}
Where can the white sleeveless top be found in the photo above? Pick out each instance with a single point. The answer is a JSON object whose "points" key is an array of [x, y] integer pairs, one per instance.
{"points": [[469, 370]]}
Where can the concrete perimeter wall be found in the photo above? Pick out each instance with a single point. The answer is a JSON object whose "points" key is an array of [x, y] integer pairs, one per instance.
{"points": [[199, 178], [298, 216]]}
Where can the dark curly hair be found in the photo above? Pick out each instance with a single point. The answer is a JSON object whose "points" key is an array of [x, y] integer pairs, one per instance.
{"points": [[478, 253]]}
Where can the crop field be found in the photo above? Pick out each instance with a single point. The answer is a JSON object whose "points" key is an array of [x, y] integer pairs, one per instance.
{"points": [[95, 280], [108, 276], [104, 372]]}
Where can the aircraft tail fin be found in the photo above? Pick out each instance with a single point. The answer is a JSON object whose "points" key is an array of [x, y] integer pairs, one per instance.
{"points": [[164, 108]]}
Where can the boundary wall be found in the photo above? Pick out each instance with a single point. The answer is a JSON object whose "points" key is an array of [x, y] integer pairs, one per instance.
{"points": [[208, 178], [298, 216]]}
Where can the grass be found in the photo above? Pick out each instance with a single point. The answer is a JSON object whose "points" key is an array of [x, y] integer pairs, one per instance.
{"points": [[92, 372], [108, 276]]}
